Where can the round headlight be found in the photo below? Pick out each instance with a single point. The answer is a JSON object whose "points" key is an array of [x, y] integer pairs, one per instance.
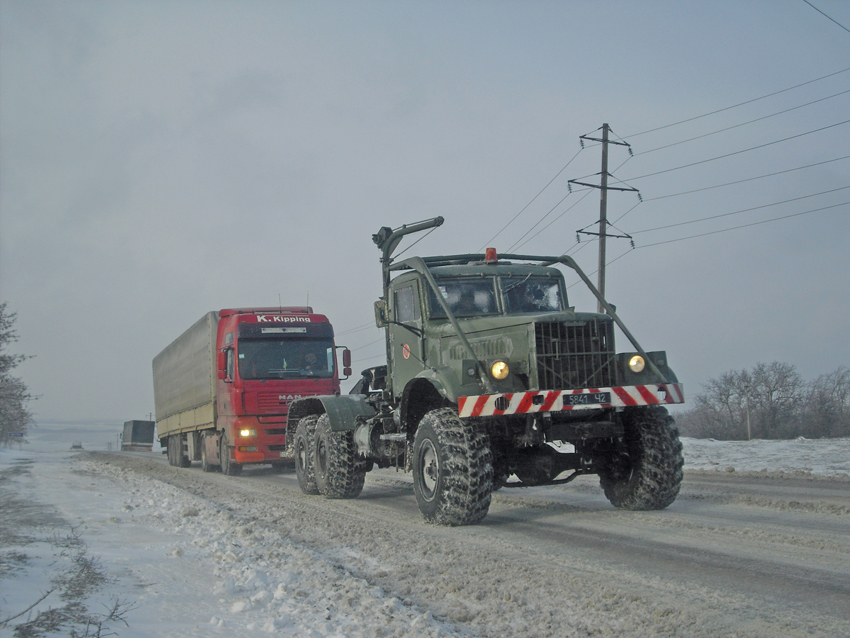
{"points": [[636, 363], [246, 432], [499, 370]]}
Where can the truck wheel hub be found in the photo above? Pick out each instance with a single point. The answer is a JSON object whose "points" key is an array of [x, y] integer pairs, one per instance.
{"points": [[430, 469]]}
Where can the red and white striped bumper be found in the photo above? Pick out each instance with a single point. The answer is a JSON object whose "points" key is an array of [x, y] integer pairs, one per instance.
{"points": [[558, 400]]}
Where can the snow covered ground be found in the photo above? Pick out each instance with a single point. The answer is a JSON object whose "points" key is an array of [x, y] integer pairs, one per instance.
{"points": [[144, 558], [172, 564], [800, 457]]}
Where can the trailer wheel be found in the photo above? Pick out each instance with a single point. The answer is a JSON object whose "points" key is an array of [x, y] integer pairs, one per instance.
{"points": [[206, 466], [183, 459], [452, 469], [645, 473], [339, 473], [176, 457], [305, 454], [171, 447], [228, 466]]}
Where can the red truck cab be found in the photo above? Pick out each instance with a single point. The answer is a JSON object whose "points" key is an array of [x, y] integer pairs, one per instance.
{"points": [[265, 359]]}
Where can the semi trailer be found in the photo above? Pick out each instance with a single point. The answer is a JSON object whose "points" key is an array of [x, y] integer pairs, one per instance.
{"points": [[222, 389], [138, 436]]}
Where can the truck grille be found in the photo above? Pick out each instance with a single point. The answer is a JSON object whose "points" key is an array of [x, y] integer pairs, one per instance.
{"points": [[575, 355], [270, 402]]}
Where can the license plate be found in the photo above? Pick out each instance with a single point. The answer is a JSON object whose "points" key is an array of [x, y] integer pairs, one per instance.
{"points": [[591, 398]]}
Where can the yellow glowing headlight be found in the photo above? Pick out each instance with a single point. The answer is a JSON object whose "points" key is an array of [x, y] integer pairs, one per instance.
{"points": [[499, 370], [636, 363], [246, 432]]}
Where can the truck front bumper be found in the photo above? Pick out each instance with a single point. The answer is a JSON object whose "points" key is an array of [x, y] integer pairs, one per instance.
{"points": [[561, 400]]}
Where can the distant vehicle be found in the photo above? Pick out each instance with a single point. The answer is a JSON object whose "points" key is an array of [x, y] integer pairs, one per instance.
{"points": [[138, 436], [222, 390], [77, 445], [491, 374]]}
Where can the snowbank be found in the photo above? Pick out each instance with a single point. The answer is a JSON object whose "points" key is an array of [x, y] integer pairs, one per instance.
{"points": [[800, 457]]}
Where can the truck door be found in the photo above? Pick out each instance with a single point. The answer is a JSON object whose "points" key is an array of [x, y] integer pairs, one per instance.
{"points": [[406, 338]]}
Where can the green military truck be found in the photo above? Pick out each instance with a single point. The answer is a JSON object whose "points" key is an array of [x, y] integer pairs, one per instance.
{"points": [[492, 380]]}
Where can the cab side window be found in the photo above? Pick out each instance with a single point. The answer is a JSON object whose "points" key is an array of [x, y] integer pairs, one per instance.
{"points": [[406, 307]]}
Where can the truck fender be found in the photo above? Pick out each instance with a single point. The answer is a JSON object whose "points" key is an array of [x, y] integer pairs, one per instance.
{"points": [[343, 411], [444, 380], [430, 389]]}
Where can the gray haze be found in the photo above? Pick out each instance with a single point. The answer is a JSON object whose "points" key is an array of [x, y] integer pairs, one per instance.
{"points": [[161, 159]]}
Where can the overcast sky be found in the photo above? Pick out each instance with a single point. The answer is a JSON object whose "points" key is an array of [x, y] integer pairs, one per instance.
{"points": [[159, 160]]}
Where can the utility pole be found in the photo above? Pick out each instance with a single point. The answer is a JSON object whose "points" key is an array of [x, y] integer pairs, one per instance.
{"points": [[603, 187]]}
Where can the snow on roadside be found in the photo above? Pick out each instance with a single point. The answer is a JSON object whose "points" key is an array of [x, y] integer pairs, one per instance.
{"points": [[797, 457], [190, 568], [265, 582]]}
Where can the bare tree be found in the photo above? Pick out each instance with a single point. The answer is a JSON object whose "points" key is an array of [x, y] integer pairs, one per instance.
{"points": [[14, 394], [781, 405], [720, 411], [827, 405], [776, 397]]}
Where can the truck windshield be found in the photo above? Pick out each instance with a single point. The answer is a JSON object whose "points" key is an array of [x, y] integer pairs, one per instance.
{"points": [[279, 359], [465, 297], [532, 294]]}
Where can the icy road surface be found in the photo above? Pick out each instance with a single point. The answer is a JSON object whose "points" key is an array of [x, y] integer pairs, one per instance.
{"points": [[750, 552]]}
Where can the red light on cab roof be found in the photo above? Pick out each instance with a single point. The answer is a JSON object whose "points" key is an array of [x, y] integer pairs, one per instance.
{"points": [[490, 256]]}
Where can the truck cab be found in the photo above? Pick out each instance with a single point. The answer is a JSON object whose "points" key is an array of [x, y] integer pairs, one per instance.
{"points": [[267, 358]]}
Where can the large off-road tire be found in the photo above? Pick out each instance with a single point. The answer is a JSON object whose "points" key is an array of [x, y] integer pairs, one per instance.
{"points": [[645, 473], [228, 466], [452, 469], [339, 473], [305, 454]]}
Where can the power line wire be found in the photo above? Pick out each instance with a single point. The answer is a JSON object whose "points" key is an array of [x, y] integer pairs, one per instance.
{"points": [[589, 190], [357, 329], [489, 241], [725, 230], [377, 356], [737, 212], [826, 16], [727, 108], [628, 211], [741, 181], [371, 343], [746, 150], [539, 221], [729, 128]]}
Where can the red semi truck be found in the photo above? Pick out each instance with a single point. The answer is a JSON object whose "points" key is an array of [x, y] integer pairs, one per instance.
{"points": [[223, 388]]}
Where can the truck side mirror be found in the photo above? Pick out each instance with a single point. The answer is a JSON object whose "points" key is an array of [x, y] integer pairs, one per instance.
{"points": [[221, 364], [381, 314], [346, 362]]}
